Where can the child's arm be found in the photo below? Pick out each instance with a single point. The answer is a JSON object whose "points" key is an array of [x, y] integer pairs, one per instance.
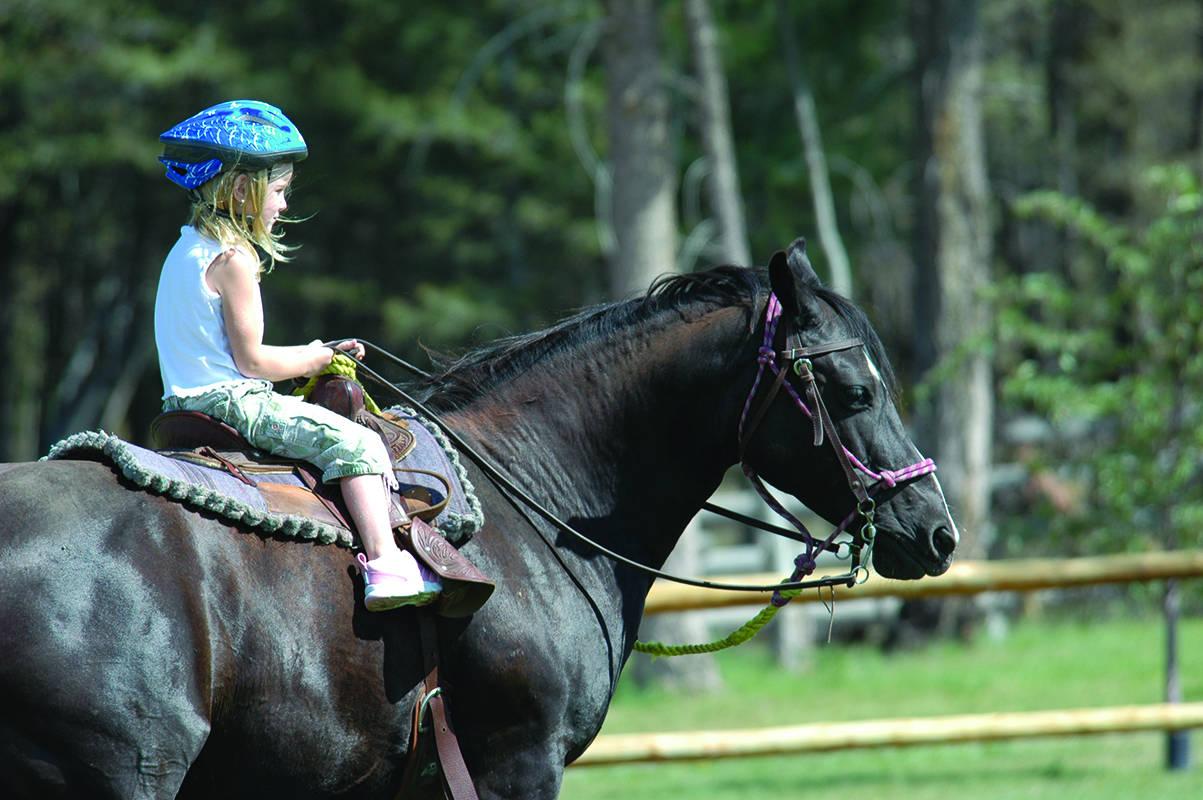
{"points": [[232, 275]]}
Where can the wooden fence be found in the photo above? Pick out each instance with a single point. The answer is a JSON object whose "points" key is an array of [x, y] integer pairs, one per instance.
{"points": [[962, 579], [821, 737]]}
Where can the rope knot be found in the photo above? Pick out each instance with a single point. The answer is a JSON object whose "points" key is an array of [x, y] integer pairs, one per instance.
{"points": [[766, 355], [803, 566]]}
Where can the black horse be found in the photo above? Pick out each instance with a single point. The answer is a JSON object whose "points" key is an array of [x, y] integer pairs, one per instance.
{"points": [[152, 651]]}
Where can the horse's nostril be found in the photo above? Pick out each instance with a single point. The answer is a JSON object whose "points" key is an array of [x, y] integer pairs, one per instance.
{"points": [[944, 540]]}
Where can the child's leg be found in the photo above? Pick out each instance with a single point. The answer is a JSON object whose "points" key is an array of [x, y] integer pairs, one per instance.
{"points": [[392, 577], [289, 427], [355, 457], [368, 503]]}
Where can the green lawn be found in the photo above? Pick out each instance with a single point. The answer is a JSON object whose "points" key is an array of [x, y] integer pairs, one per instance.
{"points": [[1038, 666]]}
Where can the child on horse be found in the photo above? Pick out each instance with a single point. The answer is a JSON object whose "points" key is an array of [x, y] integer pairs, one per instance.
{"points": [[236, 161]]}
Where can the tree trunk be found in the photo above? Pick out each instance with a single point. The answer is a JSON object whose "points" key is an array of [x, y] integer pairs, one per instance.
{"points": [[645, 227], [1196, 138], [816, 158], [725, 199], [24, 339], [641, 158], [1064, 43], [953, 252]]}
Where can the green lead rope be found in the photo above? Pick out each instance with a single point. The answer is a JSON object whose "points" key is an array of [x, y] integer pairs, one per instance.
{"points": [[344, 365], [749, 629]]}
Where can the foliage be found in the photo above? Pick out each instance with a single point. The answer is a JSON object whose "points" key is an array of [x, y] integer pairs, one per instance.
{"points": [[443, 189], [1111, 350], [856, 56], [438, 162]]}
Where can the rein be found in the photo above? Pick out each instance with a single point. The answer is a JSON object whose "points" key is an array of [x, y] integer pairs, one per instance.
{"points": [[859, 550], [505, 483]]}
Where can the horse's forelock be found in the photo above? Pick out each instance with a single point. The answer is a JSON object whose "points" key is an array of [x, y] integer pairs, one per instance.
{"points": [[862, 329]]}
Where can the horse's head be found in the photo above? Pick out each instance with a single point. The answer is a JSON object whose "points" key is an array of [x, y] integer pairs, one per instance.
{"points": [[838, 381]]}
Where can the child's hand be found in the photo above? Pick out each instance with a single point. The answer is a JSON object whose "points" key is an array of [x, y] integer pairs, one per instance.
{"points": [[318, 357], [352, 347]]}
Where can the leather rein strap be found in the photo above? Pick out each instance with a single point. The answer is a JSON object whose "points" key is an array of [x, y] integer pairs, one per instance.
{"points": [[798, 359], [767, 358], [509, 487]]}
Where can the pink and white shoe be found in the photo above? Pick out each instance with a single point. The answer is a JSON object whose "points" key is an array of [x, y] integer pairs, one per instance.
{"points": [[397, 579]]}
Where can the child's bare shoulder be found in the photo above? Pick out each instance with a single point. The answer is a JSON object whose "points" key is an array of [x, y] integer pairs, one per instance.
{"points": [[233, 265]]}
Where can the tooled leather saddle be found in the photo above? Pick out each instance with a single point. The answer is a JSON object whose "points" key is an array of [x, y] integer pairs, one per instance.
{"points": [[207, 441]]}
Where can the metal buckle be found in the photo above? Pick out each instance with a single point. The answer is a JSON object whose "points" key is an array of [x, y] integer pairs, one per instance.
{"points": [[426, 698]]}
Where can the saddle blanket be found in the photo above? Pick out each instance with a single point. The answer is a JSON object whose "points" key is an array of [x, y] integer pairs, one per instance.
{"points": [[222, 493]]}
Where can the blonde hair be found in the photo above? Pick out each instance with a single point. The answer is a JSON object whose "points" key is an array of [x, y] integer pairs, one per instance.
{"points": [[213, 213]]}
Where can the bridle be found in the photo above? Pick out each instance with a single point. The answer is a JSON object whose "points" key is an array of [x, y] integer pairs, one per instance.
{"points": [[859, 550], [797, 359]]}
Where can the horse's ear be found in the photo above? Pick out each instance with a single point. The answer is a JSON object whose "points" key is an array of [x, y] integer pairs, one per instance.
{"points": [[781, 278], [801, 264], [788, 274]]}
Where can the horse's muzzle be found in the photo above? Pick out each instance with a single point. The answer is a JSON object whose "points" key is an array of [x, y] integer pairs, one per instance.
{"points": [[913, 559]]}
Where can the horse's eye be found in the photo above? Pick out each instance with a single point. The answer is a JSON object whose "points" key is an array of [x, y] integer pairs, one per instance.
{"points": [[856, 395]]}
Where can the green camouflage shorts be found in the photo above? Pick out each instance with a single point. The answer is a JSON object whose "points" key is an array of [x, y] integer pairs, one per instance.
{"points": [[288, 426]]}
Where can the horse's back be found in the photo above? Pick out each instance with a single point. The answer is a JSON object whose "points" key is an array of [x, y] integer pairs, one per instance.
{"points": [[137, 637]]}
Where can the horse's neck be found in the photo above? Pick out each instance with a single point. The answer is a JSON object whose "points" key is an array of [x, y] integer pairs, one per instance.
{"points": [[629, 438]]}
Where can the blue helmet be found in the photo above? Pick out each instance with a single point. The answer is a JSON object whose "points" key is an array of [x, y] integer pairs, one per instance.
{"points": [[241, 133]]}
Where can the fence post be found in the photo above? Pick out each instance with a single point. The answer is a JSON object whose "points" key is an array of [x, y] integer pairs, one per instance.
{"points": [[1177, 742]]}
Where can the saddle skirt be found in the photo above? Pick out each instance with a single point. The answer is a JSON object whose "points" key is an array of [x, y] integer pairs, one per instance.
{"points": [[206, 463]]}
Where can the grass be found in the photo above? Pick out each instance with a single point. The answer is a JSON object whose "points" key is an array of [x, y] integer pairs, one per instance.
{"points": [[1037, 666]]}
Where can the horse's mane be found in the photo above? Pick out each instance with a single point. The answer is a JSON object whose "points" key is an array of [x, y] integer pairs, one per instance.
{"points": [[461, 380]]}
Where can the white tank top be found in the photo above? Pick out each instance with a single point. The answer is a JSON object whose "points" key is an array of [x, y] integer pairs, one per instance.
{"points": [[190, 330]]}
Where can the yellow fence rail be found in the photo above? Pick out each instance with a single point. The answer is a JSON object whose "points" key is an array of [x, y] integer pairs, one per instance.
{"points": [[965, 578], [828, 736], [968, 577]]}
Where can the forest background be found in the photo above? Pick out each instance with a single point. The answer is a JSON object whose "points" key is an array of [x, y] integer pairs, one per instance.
{"points": [[1008, 186]]}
